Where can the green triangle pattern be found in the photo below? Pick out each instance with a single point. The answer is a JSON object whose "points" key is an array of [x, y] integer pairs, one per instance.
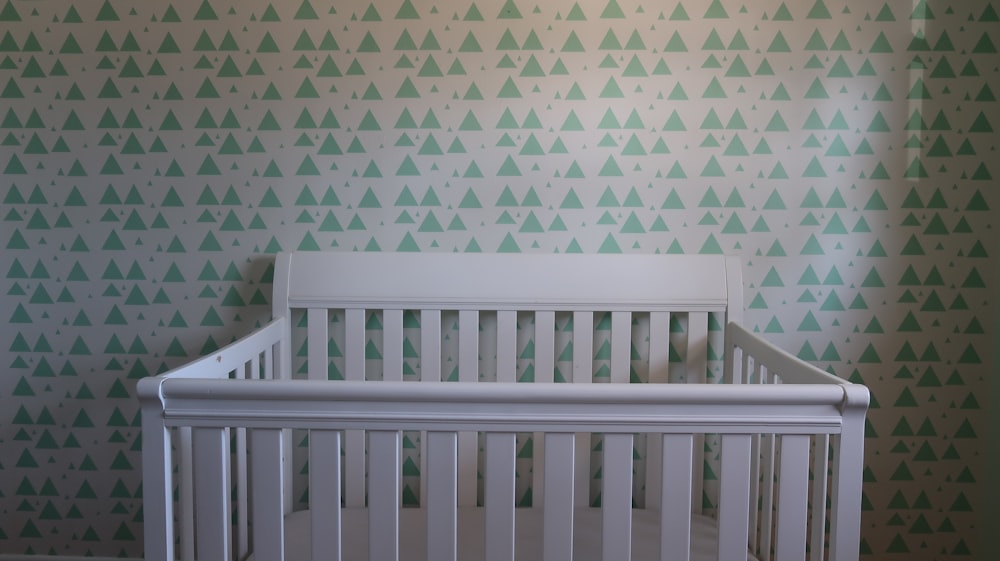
{"points": [[148, 175]]}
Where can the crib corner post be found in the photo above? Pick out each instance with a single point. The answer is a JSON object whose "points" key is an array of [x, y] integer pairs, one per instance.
{"points": [[157, 503], [848, 469]]}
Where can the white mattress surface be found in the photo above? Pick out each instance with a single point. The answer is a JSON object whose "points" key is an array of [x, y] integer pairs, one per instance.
{"points": [[528, 524]]}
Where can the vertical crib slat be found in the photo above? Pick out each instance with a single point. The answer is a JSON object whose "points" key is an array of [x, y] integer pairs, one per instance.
{"points": [[557, 542], [821, 460], [442, 496], [267, 467], [383, 495], [845, 486], [583, 368], [158, 501], [430, 371], [430, 345], [354, 440], [242, 495], [793, 495], [659, 347], [392, 345], [211, 489], [752, 375], [659, 373], [468, 372], [767, 480], [185, 468], [317, 357], [677, 459], [325, 494], [697, 347], [734, 502], [545, 364], [499, 496], [583, 347], [696, 366], [621, 351], [507, 346], [755, 464], [545, 346], [616, 496]]}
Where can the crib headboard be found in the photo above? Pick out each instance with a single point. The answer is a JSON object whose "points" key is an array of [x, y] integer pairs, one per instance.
{"points": [[564, 282], [499, 290], [695, 284]]}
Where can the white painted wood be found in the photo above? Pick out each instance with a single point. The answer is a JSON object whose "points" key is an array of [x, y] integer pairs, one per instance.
{"points": [[810, 402], [392, 345], [527, 281], [583, 373], [243, 493], [621, 352], [250, 371], [211, 489], [659, 347], [268, 500], [468, 373], [317, 357], [557, 541], [695, 368], [583, 347], [616, 497], [383, 495], [430, 371], [545, 346], [468, 341], [355, 341], [325, 495], [545, 364], [442, 496], [847, 467], [734, 496], [793, 496], [755, 496], [430, 346], [677, 456], [507, 346], [354, 440], [817, 516], [659, 373], [765, 522], [158, 501], [185, 499], [501, 451]]}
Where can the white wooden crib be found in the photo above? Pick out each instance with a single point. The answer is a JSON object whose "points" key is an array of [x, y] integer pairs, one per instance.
{"points": [[722, 447]]}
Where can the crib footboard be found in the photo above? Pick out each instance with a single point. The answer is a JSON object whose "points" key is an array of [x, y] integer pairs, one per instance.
{"points": [[795, 429], [168, 446], [837, 458]]}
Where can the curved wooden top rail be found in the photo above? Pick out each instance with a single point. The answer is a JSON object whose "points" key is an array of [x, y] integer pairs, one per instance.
{"points": [[562, 282]]}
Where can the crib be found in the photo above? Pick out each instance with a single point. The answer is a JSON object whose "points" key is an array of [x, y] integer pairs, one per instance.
{"points": [[445, 406]]}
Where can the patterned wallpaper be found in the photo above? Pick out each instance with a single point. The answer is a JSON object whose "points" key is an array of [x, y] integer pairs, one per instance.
{"points": [[154, 156]]}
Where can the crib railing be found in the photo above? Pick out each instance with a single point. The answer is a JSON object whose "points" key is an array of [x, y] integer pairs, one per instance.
{"points": [[785, 425]]}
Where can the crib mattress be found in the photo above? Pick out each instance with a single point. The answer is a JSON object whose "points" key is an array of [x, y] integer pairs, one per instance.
{"points": [[528, 524]]}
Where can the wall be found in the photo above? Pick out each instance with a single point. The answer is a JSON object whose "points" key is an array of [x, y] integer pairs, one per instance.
{"points": [[153, 156]]}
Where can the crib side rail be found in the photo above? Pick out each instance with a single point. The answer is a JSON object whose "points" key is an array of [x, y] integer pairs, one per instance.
{"points": [[767, 358], [610, 408], [671, 413], [835, 461], [255, 356]]}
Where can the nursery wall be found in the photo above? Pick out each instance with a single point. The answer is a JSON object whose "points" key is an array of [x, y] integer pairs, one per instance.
{"points": [[155, 155]]}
